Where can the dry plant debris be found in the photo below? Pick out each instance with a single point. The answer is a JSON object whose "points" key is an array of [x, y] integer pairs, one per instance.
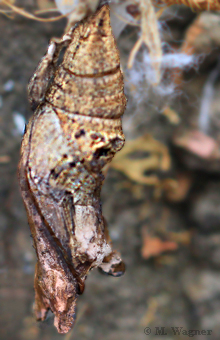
{"points": [[46, 5], [149, 316], [4, 3], [200, 5], [153, 246], [143, 13], [158, 159], [76, 10], [202, 38], [199, 144], [150, 36], [20, 11], [4, 8], [161, 237], [179, 192], [74, 132], [171, 115]]}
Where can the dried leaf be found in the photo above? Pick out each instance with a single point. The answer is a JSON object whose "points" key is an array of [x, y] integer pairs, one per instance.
{"points": [[158, 158], [198, 143], [154, 246]]}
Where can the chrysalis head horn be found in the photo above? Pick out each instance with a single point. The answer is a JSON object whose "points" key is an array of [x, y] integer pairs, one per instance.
{"points": [[94, 46]]}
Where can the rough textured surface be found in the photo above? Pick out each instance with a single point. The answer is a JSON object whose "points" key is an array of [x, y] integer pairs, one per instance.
{"points": [[74, 133], [152, 293]]}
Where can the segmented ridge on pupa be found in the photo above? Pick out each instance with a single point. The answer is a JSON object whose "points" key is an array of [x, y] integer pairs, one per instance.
{"points": [[89, 80]]}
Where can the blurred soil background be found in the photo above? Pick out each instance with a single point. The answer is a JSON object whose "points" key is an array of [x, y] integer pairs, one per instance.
{"points": [[161, 197]]}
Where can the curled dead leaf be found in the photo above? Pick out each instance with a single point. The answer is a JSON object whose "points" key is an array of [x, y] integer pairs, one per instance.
{"points": [[153, 246], [198, 143], [153, 156]]}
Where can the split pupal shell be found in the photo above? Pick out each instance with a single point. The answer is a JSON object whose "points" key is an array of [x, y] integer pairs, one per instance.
{"points": [[74, 132]]}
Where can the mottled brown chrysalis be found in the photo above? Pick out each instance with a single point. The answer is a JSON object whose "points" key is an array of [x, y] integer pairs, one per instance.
{"points": [[74, 132]]}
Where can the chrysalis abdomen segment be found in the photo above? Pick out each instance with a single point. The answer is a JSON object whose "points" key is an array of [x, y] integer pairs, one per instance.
{"points": [[89, 80], [95, 97]]}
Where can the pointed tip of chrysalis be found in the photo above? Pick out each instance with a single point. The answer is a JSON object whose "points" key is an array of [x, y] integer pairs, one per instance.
{"points": [[93, 49], [103, 13], [100, 21]]}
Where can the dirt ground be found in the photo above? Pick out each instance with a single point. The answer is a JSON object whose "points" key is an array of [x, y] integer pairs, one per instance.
{"points": [[179, 288]]}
